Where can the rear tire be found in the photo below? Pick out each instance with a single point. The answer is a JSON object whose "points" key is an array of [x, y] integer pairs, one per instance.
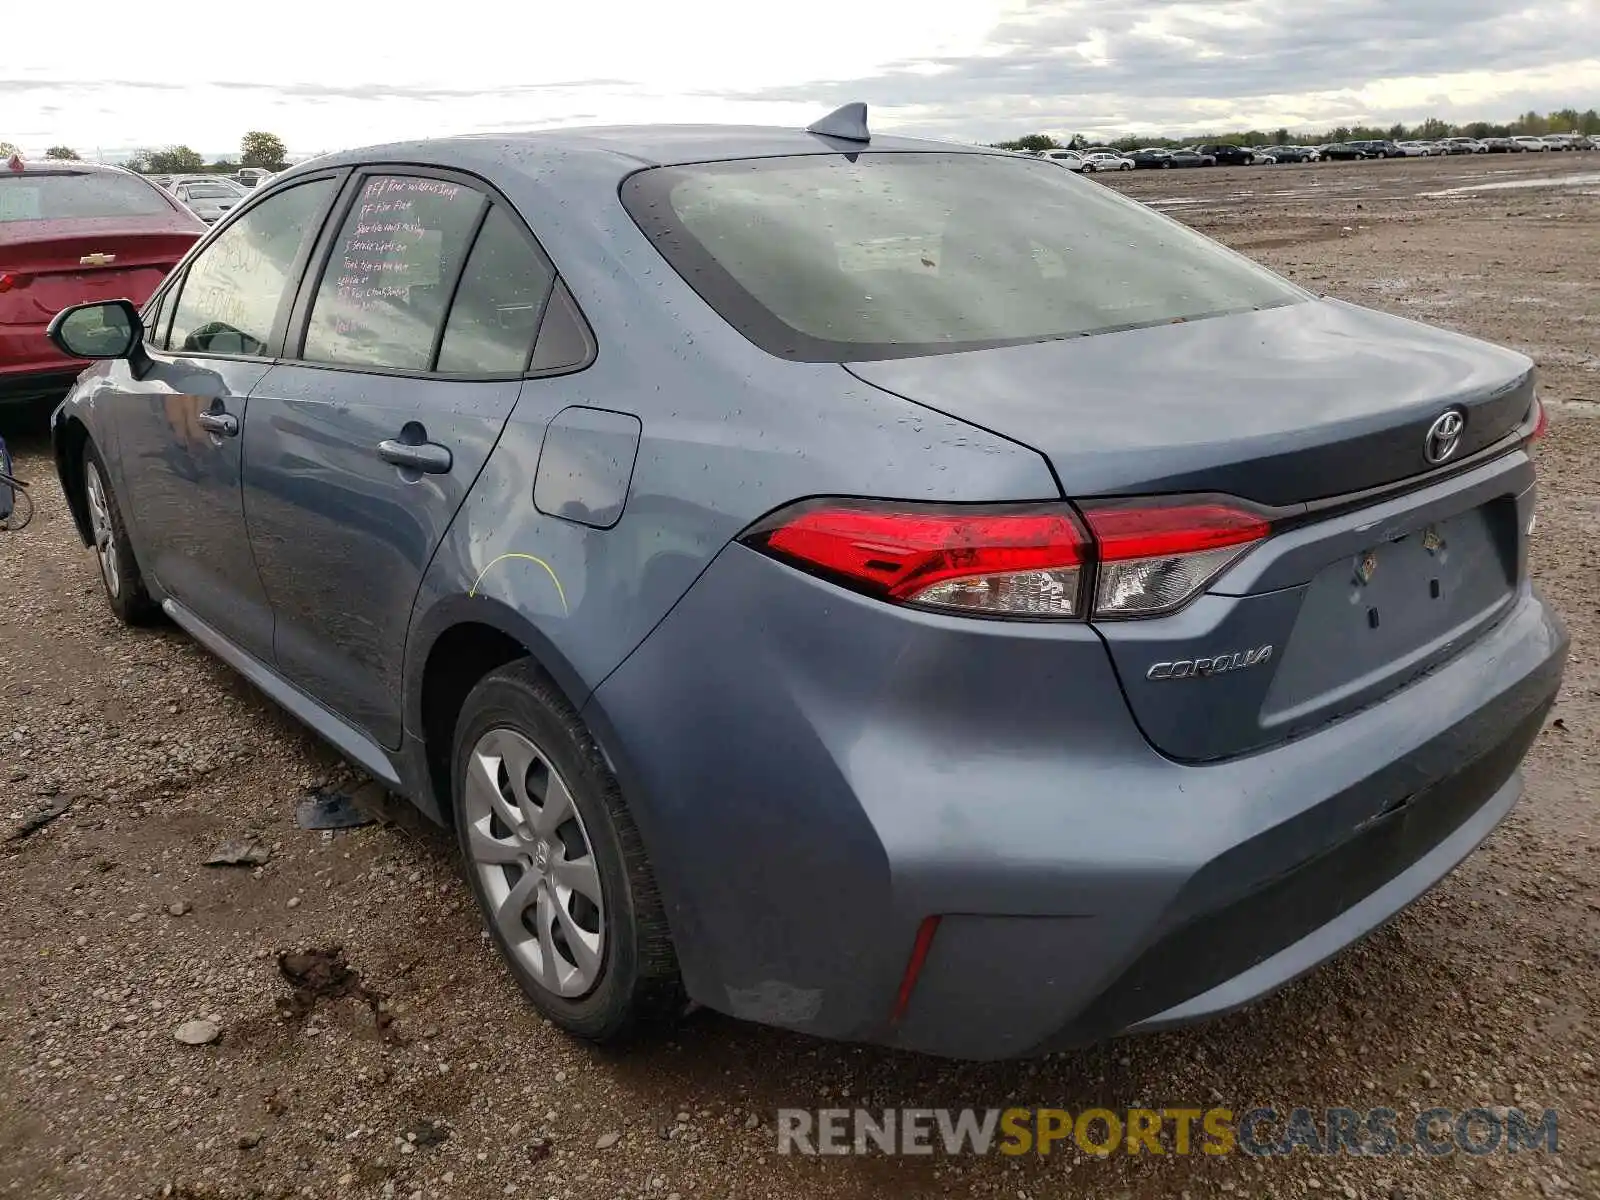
{"points": [[119, 568], [556, 862]]}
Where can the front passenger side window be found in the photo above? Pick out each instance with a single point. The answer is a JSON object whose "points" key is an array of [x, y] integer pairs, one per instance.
{"points": [[235, 286]]}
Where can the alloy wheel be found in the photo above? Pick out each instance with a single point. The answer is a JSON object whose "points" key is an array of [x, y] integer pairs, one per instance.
{"points": [[105, 537], [533, 857]]}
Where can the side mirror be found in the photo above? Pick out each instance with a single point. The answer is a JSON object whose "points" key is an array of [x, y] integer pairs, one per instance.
{"points": [[107, 329]]}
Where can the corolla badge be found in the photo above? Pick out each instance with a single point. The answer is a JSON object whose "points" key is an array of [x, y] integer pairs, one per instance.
{"points": [[1197, 668], [1444, 436]]}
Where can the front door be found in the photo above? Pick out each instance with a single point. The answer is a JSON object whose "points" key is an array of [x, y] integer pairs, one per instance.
{"points": [[358, 456], [179, 420]]}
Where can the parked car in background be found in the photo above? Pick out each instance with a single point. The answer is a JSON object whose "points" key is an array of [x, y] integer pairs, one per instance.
{"points": [[1560, 141], [1346, 151], [71, 232], [1105, 161], [802, 752], [250, 177], [1151, 158], [1191, 157], [1418, 149], [1466, 145], [1295, 154], [1528, 142], [1072, 160], [209, 197], [1228, 155], [1503, 145]]}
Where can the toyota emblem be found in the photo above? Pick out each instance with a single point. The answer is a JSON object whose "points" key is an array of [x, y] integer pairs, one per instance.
{"points": [[1444, 436]]}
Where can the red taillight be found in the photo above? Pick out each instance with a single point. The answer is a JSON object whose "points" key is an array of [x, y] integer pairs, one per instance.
{"points": [[1146, 557], [1541, 420], [1005, 562], [8, 281], [1156, 530], [1156, 555]]}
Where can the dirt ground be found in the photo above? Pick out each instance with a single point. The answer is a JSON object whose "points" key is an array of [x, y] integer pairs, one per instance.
{"points": [[114, 933]]}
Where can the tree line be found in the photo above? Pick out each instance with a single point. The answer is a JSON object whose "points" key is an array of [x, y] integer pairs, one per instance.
{"points": [[256, 149], [1564, 120]]}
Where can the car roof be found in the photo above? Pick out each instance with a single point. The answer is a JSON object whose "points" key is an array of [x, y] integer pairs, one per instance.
{"points": [[54, 166], [629, 146], [566, 181]]}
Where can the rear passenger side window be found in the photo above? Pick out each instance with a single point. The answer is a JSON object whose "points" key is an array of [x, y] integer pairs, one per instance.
{"points": [[495, 315], [383, 293]]}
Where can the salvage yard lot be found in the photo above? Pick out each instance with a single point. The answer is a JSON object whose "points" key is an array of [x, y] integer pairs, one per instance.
{"points": [[114, 933]]}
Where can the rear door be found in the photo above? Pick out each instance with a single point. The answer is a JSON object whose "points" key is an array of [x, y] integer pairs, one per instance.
{"points": [[412, 340], [178, 420]]}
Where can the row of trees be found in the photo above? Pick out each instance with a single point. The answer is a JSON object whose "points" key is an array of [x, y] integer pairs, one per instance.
{"points": [[1565, 120], [256, 149]]}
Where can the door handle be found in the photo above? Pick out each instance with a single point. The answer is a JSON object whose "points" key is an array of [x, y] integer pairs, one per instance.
{"points": [[223, 424], [427, 457]]}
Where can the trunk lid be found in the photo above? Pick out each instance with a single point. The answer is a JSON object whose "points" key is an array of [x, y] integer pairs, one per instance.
{"points": [[60, 263], [1346, 602], [1281, 406]]}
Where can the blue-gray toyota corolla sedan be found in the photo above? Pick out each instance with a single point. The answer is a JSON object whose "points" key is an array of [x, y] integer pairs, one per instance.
{"points": [[896, 591]]}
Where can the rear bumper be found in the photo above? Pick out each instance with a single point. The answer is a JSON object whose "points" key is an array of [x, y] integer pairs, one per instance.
{"points": [[30, 367], [812, 786]]}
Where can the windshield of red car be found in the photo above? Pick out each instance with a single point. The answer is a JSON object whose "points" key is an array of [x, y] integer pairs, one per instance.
{"points": [[50, 196]]}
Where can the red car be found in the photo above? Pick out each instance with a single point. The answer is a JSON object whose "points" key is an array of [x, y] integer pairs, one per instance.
{"points": [[71, 232]]}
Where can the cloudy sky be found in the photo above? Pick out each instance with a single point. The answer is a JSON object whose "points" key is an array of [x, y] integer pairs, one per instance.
{"points": [[326, 75]]}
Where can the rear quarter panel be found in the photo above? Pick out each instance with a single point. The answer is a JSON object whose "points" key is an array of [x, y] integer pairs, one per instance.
{"points": [[728, 433]]}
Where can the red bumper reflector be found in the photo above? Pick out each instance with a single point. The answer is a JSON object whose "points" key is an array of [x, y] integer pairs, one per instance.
{"points": [[919, 955]]}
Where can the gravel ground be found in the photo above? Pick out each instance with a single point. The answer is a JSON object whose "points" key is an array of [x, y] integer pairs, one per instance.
{"points": [[116, 935]]}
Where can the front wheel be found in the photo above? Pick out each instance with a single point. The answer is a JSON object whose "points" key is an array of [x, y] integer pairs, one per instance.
{"points": [[119, 569], [556, 862]]}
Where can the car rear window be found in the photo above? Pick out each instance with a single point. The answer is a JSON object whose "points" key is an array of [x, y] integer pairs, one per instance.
{"points": [[36, 196], [209, 191], [835, 258]]}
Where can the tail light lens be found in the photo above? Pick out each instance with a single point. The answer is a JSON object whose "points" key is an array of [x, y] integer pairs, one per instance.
{"points": [[1541, 420], [1155, 556], [1010, 561], [8, 281], [1134, 558]]}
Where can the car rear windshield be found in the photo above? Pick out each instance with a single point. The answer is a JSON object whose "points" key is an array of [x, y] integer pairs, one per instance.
{"points": [[836, 258], [38, 196], [209, 191]]}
